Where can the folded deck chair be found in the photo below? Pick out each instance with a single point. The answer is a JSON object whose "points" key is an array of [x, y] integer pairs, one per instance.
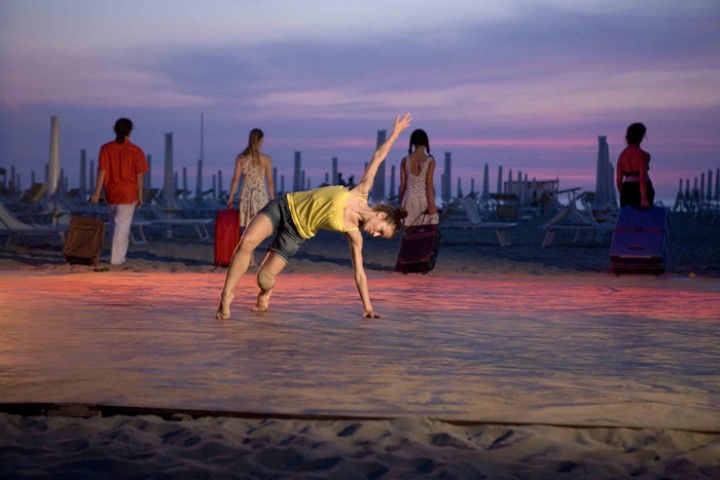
{"points": [[474, 221], [11, 226], [572, 219], [158, 217]]}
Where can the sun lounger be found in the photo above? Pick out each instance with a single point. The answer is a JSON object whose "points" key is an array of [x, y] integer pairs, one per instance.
{"points": [[572, 219], [474, 221], [11, 227], [165, 218]]}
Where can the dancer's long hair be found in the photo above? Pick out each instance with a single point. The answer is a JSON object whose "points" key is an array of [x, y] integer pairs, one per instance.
{"points": [[394, 215], [253, 146]]}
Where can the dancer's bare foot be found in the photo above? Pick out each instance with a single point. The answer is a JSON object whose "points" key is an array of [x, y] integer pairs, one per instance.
{"points": [[263, 301], [223, 311]]}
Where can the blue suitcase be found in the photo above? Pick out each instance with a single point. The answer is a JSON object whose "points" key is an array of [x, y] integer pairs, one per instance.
{"points": [[639, 241]]}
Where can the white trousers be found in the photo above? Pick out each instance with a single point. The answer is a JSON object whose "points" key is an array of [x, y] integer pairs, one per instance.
{"points": [[121, 216]]}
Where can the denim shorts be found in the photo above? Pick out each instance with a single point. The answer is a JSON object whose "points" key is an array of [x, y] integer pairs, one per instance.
{"points": [[287, 239]]}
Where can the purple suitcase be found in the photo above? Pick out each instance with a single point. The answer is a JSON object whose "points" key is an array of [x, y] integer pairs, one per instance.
{"points": [[639, 241], [419, 246]]}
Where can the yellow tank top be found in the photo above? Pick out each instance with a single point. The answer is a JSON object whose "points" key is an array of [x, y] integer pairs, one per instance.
{"points": [[319, 209]]}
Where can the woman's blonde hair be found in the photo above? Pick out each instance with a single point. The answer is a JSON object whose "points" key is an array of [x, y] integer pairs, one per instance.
{"points": [[253, 147]]}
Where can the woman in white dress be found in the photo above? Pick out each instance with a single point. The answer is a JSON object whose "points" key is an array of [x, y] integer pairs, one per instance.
{"points": [[256, 168], [417, 190]]}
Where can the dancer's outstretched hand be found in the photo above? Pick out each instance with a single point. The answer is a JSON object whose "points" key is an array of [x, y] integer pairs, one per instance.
{"points": [[372, 314], [402, 123]]}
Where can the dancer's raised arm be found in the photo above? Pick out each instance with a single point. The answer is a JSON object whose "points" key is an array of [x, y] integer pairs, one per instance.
{"points": [[366, 182]]}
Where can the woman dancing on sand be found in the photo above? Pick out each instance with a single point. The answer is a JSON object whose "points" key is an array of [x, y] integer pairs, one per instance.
{"points": [[298, 216], [256, 168]]}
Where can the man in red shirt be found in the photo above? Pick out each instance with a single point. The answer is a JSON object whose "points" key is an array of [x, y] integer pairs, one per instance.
{"points": [[121, 170]]}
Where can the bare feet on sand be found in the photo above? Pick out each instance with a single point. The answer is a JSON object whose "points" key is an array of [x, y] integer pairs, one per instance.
{"points": [[223, 311], [263, 301]]}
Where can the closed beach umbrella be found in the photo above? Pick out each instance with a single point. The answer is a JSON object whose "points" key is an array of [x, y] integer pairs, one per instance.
{"points": [[54, 165], [602, 174]]}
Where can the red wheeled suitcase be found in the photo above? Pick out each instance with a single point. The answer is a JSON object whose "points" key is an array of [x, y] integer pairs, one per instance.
{"points": [[227, 235], [419, 246], [638, 243], [83, 240]]}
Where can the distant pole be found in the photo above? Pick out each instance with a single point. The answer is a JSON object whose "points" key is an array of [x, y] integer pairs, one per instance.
{"points": [[447, 178], [220, 184], [391, 193], [602, 174], [202, 136], [702, 185], [169, 184], [214, 185], [709, 188], [508, 187], [378, 189], [185, 180], [53, 176], [92, 175], [678, 199], [459, 188], [717, 184], [499, 180], [519, 186], [334, 171], [297, 173], [199, 180], [148, 175], [485, 185], [83, 173], [275, 180]]}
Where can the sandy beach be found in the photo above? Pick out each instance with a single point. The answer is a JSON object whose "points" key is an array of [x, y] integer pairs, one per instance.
{"points": [[504, 362]]}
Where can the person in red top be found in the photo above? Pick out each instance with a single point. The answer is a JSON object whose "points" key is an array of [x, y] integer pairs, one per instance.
{"points": [[631, 174], [121, 170]]}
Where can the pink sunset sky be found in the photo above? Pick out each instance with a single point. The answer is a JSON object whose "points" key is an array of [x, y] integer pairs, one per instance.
{"points": [[528, 85]]}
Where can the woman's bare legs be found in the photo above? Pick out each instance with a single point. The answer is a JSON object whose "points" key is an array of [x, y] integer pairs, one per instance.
{"points": [[268, 271], [259, 229]]}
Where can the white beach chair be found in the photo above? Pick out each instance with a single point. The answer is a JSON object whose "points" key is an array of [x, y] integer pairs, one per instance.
{"points": [[475, 221]]}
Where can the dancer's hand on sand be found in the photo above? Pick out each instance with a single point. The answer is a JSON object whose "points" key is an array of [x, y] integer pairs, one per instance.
{"points": [[402, 123], [372, 314]]}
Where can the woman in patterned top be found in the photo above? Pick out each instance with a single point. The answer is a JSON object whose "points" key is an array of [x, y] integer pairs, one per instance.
{"points": [[417, 190], [256, 167], [298, 216]]}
